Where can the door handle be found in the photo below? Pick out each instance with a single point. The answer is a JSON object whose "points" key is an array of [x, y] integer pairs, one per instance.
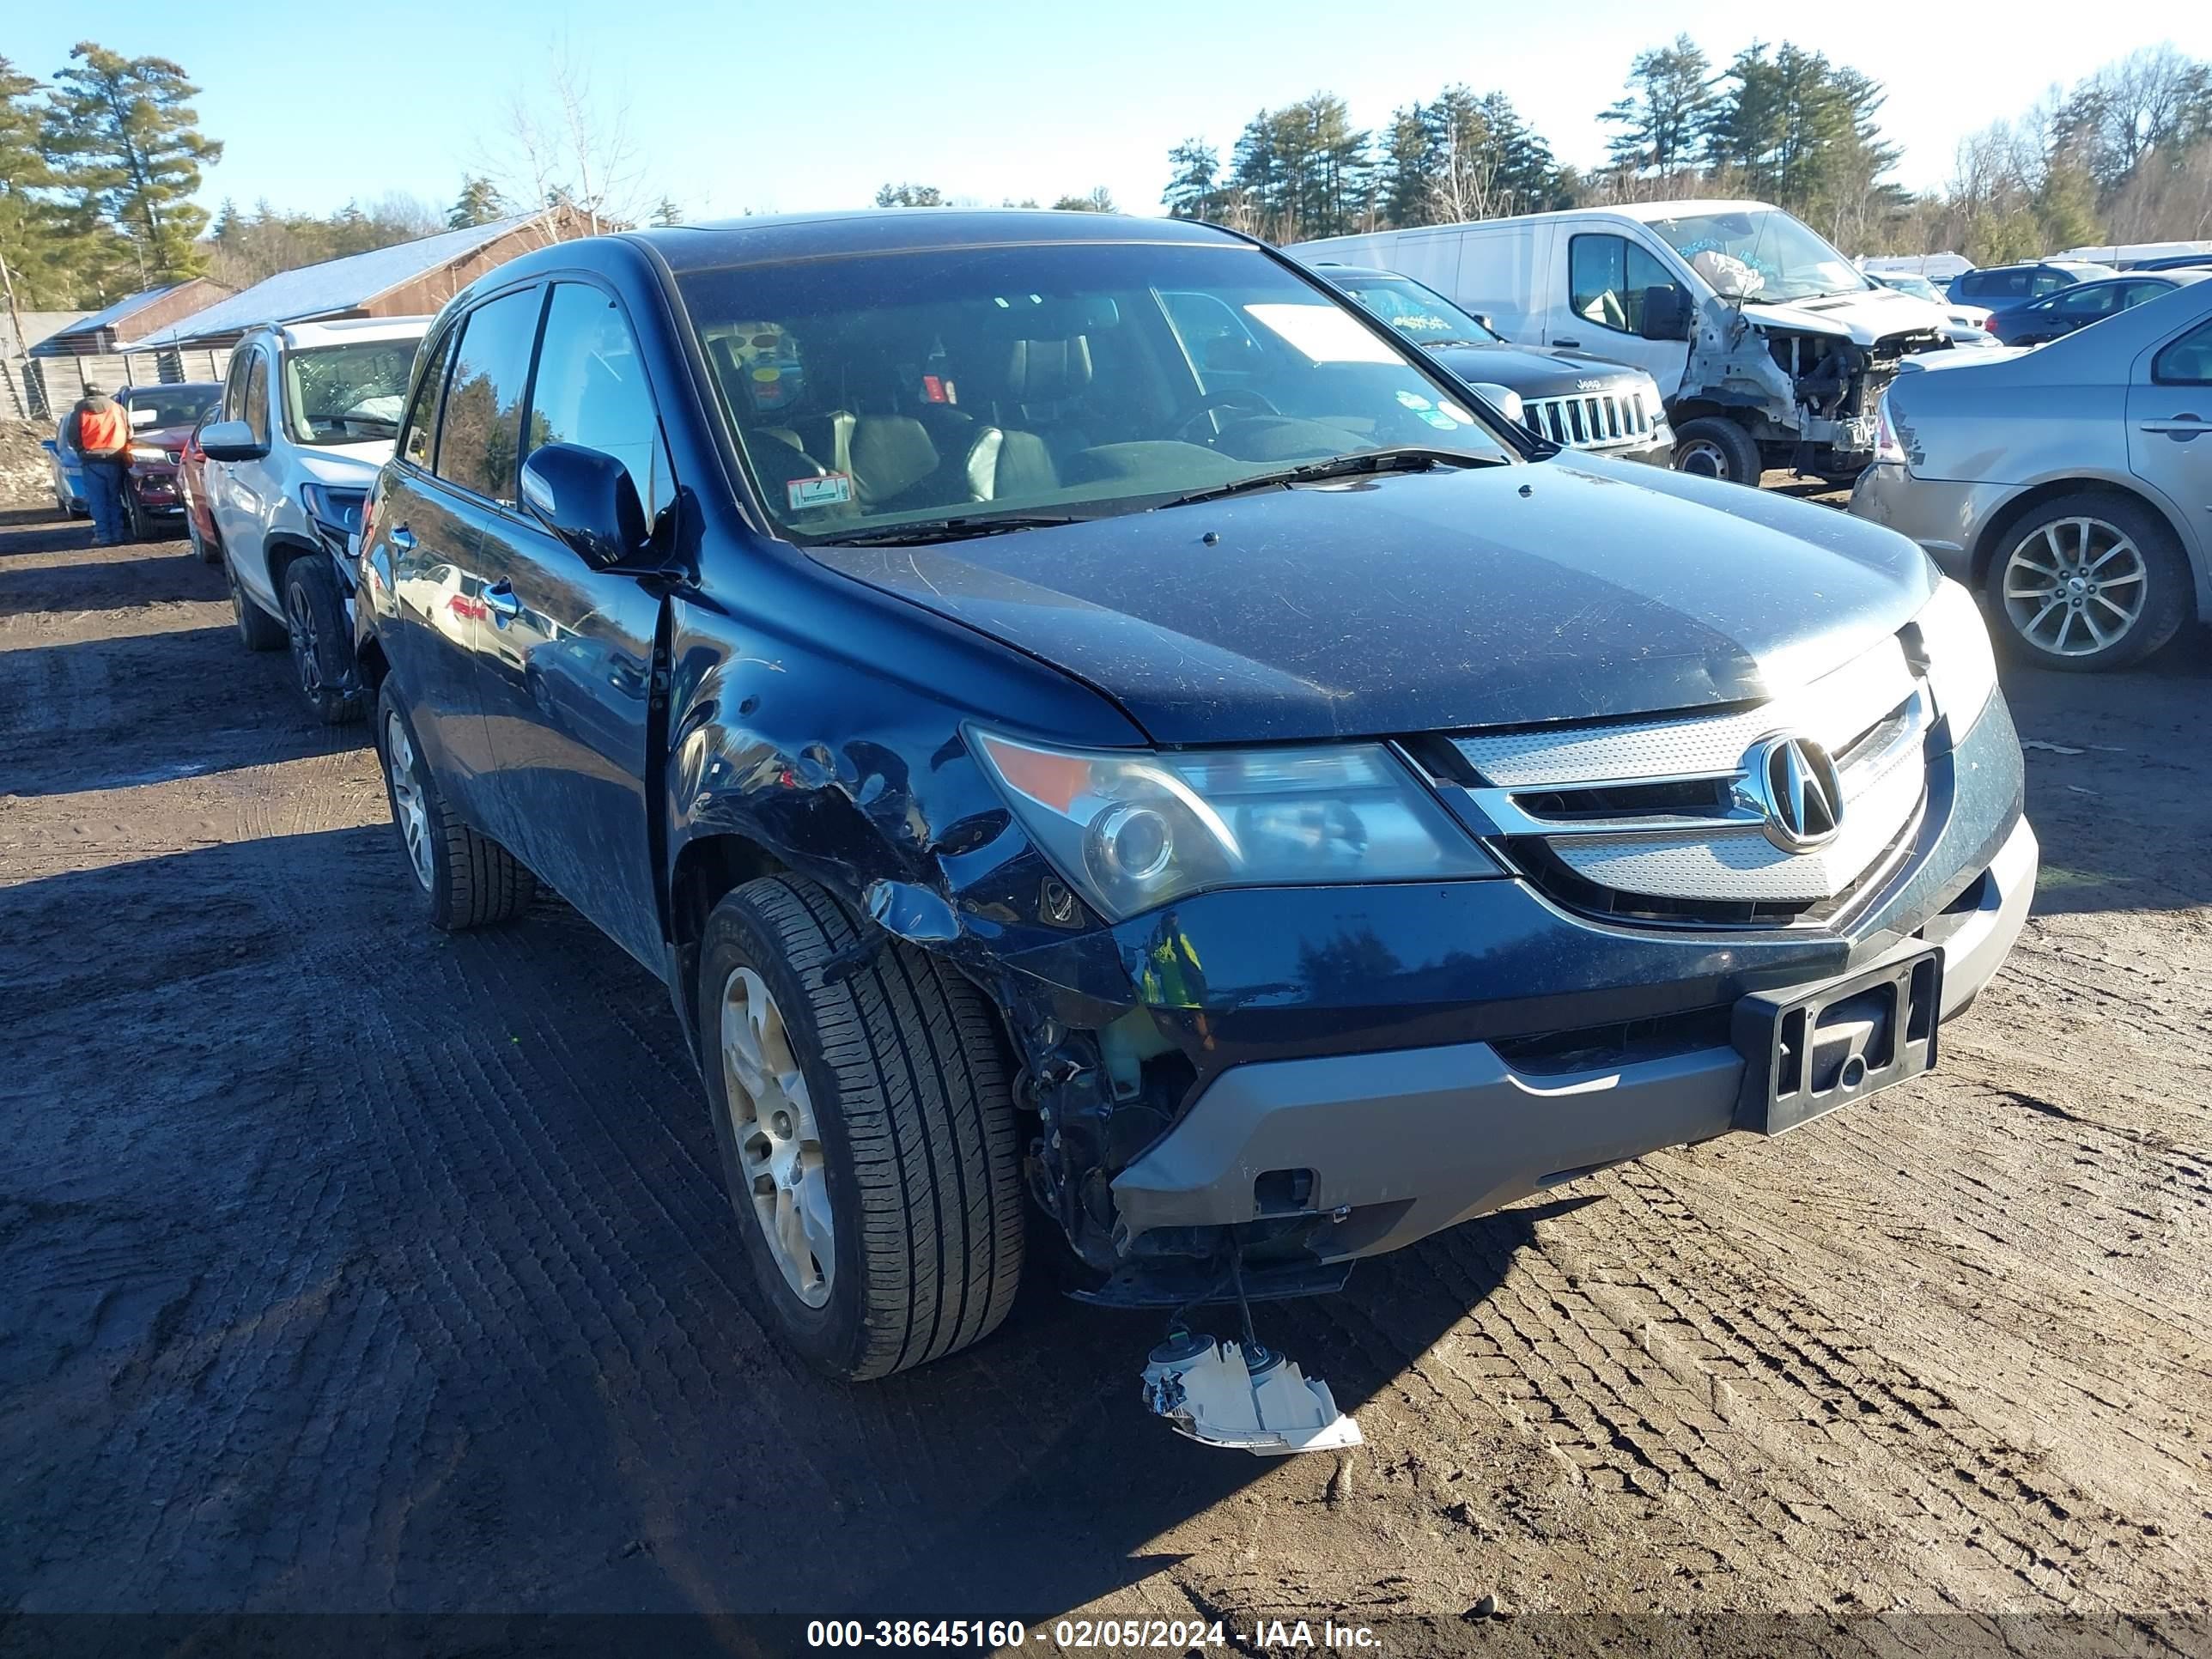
{"points": [[401, 537], [2180, 424], [1569, 344], [498, 600]]}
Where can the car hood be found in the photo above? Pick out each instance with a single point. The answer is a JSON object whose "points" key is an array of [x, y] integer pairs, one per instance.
{"points": [[346, 466], [1534, 371], [1865, 318], [1566, 589]]}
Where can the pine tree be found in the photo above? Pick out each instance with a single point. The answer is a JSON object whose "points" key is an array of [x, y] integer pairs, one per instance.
{"points": [[1662, 119], [129, 143], [1193, 187], [479, 203], [667, 213]]}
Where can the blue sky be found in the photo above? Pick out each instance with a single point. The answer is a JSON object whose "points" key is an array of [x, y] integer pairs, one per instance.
{"points": [[795, 106]]}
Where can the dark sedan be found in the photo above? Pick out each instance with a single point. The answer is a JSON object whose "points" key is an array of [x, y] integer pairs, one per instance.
{"points": [[2058, 315]]}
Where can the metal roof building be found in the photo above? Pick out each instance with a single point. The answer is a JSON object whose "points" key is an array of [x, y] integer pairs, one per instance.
{"points": [[405, 280], [100, 334]]}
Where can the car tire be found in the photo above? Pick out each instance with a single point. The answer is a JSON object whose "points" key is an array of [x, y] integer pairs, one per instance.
{"points": [[464, 878], [897, 1134], [315, 626], [1714, 446], [258, 629], [2053, 570], [203, 549]]}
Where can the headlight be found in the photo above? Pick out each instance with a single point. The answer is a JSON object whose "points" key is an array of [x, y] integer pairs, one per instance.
{"points": [[338, 512], [1130, 830], [1955, 655], [153, 452]]}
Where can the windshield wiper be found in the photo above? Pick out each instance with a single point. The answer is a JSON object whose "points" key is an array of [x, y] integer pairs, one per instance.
{"points": [[1413, 458], [920, 532]]}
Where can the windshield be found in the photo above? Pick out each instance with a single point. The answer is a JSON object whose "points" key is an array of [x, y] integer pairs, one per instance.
{"points": [[1421, 314], [1920, 287], [160, 406], [1067, 380], [346, 394], [1761, 253]]}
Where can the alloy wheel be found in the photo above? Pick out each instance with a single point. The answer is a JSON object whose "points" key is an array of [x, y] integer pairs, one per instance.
{"points": [[779, 1143], [300, 627], [2074, 586], [408, 805]]}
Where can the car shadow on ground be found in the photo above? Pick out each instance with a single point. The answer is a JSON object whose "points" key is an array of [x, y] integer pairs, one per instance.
{"points": [[417, 1269]]}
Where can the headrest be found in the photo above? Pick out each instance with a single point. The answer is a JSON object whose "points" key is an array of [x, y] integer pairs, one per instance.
{"points": [[1042, 371], [891, 454]]}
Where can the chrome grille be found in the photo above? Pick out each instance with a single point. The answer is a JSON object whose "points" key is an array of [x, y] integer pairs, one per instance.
{"points": [[1650, 807], [1597, 420]]}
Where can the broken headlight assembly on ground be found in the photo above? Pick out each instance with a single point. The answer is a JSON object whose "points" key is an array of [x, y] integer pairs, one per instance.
{"points": [[1132, 830]]}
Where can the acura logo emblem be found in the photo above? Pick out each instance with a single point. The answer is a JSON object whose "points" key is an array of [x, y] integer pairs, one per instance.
{"points": [[1790, 783]]}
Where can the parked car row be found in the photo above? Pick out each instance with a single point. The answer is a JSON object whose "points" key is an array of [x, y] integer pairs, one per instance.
{"points": [[1054, 698], [162, 416]]}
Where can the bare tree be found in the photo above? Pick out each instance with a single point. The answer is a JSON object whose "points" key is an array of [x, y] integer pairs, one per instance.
{"points": [[561, 145]]}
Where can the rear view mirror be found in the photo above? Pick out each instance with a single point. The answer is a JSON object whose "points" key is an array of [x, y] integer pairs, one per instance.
{"points": [[587, 498], [1666, 313], [231, 441]]}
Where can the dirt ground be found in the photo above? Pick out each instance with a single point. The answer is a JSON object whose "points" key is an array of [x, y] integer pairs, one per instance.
{"points": [[345, 1267]]}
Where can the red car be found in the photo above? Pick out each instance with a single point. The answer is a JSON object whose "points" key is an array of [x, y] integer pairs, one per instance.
{"points": [[162, 418], [191, 484]]}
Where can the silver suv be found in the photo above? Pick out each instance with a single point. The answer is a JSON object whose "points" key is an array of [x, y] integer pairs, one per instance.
{"points": [[308, 416]]}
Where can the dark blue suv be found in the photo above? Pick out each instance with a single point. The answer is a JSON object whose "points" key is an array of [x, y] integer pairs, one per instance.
{"points": [[1249, 805]]}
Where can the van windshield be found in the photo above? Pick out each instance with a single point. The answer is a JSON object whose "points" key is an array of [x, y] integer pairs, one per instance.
{"points": [[1760, 253], [1054, 381]]}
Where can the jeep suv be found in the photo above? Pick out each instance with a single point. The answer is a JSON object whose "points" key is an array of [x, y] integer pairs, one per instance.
{"points": [[308, 416], [1259, 812]]}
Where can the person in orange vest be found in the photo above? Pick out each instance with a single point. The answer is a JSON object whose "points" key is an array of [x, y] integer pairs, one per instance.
{"points": [[99, 429]]}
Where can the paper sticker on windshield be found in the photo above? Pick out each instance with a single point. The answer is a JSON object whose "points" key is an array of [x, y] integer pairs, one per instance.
{"points": [[1437, 418], [831, 489]]}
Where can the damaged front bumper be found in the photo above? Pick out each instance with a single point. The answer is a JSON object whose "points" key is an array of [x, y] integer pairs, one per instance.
{"points": [[1308, 1076]]}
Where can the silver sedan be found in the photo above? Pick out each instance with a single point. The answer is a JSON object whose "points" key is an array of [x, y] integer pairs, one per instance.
{"points": [[2070, 483]]}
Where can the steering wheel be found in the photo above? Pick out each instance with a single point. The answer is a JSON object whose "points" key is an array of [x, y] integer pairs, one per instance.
{"points": [[1251, 402]]}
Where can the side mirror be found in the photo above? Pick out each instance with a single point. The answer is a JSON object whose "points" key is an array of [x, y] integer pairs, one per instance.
{"points": [[231, 441], [1666, 313], [587, 498], [1484, 318], [47, 444]]}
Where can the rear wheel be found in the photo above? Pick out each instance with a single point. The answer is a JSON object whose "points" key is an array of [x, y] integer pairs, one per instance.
{"points": [[867, 1133], [2089, 582], [315, 625], [1714, 446], [466, 878], [203, 549], [258, 629]]}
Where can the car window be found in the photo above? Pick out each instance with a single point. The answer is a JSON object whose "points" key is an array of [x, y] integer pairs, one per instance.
{"points": [[233, 386], [480, 433], [1607, 275], [2143, 293], [349, 394], [591, 390], [2047, 282], [2096, 300], [419, 432], [170, 406], [2188, 361], [256, 409]]}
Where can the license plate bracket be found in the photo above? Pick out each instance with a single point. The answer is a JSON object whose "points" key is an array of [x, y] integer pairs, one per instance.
{"points": [[1809, 1050]]}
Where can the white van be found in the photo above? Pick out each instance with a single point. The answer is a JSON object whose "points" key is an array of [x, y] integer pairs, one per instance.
{"points": [[1770, 349]]}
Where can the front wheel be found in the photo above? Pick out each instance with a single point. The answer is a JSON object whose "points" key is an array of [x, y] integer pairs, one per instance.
{"points": [[2089, 582], [1713, 447], [867, 1133], [257, 628], [315, 625]]}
